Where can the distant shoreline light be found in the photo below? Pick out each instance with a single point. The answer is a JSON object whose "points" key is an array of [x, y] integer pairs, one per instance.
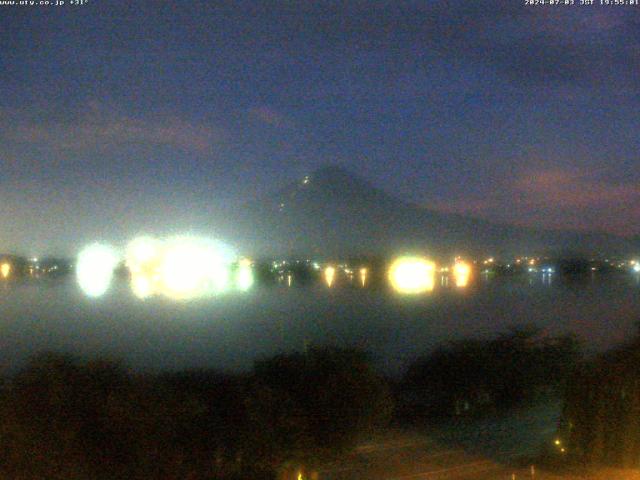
{"points": [[461, 273], [412, 275], [181, 268], [95, 266]]}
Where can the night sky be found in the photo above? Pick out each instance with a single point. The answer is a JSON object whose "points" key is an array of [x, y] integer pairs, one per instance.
{"points": [[123, 117]]}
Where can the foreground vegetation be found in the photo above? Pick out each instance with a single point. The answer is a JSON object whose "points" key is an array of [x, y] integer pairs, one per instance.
{"points": [[65, 418], [476, 376], [601, 417]]}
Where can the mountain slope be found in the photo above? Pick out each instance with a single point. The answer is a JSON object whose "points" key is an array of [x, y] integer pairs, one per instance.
{"points": [[333, 212]]}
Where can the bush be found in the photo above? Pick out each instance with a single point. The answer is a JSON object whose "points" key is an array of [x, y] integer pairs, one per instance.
{"points": [[333, 394], [61, 418], [474, 375], [601, 416]]}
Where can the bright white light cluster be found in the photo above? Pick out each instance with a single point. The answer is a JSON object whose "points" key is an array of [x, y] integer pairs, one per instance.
{"points": [[244, 275], [179, 267], [182, 267], [95, 267]]}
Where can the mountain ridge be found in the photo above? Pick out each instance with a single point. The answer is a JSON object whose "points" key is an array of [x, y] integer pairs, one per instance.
{"points": [[333, 211]]}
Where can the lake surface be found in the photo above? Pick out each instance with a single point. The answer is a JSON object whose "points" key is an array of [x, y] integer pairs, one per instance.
{"points": [[229, 332]]}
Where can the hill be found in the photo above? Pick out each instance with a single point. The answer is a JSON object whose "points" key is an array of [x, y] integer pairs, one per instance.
{"points": [[335, 212]]}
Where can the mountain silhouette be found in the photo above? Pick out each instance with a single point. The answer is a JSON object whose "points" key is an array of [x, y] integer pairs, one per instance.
{"points": [[333, 212]]}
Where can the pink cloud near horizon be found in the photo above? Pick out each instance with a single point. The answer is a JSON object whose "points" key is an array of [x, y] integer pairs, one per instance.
{"points": [[557, 199]]}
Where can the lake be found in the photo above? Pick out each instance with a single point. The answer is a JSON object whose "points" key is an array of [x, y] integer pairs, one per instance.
{"points": [[230, 331]]}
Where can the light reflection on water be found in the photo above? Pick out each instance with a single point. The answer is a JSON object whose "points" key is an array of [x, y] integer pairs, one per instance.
{"points": [[229, 332]]}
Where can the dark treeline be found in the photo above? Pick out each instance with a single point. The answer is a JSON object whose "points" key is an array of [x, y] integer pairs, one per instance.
{"points": [[61, 418], [66, 418], [47, 267], [601, 417], [475, 376]]}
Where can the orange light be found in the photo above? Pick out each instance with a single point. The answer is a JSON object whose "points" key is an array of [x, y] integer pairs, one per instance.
{"points": [[329, 275], [461, 273], [411, 275], [363, 276]]}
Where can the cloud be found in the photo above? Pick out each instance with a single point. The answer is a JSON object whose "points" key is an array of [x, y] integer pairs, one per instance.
{"points": [[268, 116], [97, 128], [556, 198], [566, 189], [527, 45], [536, 46], [475, 206]]}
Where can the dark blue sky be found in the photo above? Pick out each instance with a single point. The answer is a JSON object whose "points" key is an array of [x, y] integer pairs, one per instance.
{"points": [[127, 117]]}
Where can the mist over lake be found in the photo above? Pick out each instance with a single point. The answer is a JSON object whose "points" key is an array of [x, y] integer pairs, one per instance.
{"points": [[229, 332]]}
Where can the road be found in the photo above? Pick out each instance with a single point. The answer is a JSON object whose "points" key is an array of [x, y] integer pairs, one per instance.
{"points": [[409, 456], [406, 456], [482, 449]]}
